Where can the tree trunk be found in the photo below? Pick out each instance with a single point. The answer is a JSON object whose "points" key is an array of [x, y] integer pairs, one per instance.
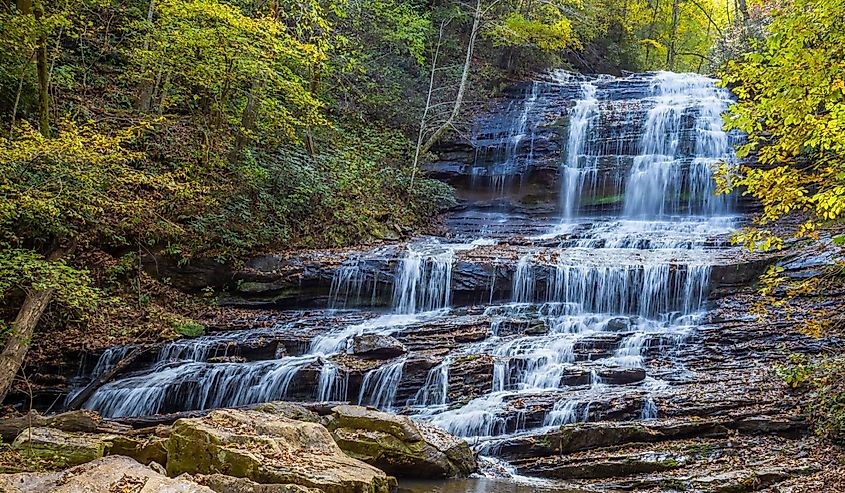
{"points": [[673, 35], [651, 31], [247, 123], [43, 83], [743, 10], [80, 398], [145, 91], [424, 117], [17, 343], [459, 98], [313, 87]]}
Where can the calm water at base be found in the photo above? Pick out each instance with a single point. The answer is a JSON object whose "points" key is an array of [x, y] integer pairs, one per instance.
{"points": [[480, 486]]}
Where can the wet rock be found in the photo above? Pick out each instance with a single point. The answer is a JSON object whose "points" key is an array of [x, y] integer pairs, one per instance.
{"points": [[746, 480], [600, 468], [398, 445], [112, 474], [621, 376], [619, 324], [531, 327], [266, 448], [63, 448], [588, 436], [470, 375], [377, 346]]}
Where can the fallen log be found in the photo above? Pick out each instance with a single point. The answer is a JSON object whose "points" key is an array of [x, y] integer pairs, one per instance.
{"points": [[74, 421], [80, 398]]}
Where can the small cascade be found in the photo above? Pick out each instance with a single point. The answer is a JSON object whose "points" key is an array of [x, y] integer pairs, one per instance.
{"points": [[380, 385], [649, 410], [423, 281], [523, 280], [566, 412], [500, 156], [669, 175], [332, 386], [646, 290], [351, 282], [198, 386], [435, 391]]}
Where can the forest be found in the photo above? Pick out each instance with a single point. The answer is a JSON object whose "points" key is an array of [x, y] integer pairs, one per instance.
{"points": [[172, 170]]}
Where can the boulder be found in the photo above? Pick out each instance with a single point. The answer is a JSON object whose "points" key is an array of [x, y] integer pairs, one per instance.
{"points": [[112, 474], [143, 450], [267, 448], [221, 483], [288, 410], [377, 346], [398, 445], [619, 324], [63, 448]]}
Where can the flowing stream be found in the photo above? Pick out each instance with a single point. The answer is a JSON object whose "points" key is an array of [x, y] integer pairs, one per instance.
{"points": [[617, 275]]}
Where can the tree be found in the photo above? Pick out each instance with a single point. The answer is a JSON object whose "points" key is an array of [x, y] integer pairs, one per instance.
{"points": [[791, 105], [57, 193]]}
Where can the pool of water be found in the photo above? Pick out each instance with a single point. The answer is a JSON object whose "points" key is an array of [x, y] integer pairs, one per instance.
{"points": [[483, 486]]}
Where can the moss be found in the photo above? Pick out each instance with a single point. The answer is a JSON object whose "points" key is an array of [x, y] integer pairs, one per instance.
{"points": [[603, 200]]}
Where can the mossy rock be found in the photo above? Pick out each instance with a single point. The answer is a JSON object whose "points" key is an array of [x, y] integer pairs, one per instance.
{"points": [[143, 450], [268, 449], [288, 410], [62, 448], [398, 445]]}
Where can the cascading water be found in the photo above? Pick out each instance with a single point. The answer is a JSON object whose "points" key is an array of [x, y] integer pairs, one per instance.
{"points": [[580, 166], [574, 315]]}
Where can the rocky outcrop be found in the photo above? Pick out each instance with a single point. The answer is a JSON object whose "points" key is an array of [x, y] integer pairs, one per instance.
{"points": [[268, 448], [398, 446], [107, 474]]}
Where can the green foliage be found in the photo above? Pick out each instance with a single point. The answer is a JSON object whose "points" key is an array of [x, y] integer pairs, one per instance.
{"points": [[24, 269], [188, 328], [823, 394], [791, 105], [208, 58], [546, 28]]}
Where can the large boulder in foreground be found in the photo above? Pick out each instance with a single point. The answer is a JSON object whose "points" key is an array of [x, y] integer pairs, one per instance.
{"points": [[114, 473], [268, 449], [398, 445]]}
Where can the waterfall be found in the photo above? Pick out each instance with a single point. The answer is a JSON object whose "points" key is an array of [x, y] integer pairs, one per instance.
{"points": [[435, 391], [523, 280], [586, 305]]}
